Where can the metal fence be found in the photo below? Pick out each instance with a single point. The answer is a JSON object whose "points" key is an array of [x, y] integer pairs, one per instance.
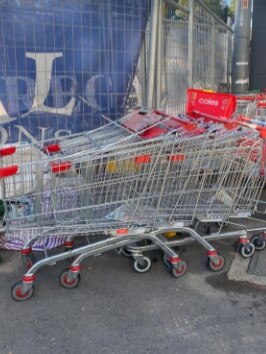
{"points": [[64, 64], [184, 47]]}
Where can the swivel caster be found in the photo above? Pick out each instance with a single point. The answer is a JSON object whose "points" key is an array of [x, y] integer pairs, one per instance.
{"points": [[18, 294], [259, 242], [216, 263], [69, 280], [246, 250], [143, 265]]}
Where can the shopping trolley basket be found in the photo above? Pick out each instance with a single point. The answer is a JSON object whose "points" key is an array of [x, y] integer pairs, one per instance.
{"points": [[132, 127], [127, 129], [252, 106]]}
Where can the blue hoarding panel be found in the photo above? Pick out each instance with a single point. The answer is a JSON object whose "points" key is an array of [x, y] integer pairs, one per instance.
{"points": [[65, 63]]}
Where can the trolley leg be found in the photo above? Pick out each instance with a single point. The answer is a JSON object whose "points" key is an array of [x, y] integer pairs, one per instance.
{"points": [[174, 263], [23, 289]]}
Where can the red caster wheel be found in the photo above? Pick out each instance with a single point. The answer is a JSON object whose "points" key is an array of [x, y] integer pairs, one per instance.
{"points": [[216, 263], [18, 295], [67, 280], [180, 271]]}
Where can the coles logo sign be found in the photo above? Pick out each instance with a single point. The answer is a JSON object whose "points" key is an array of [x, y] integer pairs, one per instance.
{"points": [[208, 101]]}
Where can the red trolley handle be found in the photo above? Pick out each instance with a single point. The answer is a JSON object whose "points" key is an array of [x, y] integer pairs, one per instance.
{"points": [[231, 124], [8, 171], [5, 151], [186, 125]]}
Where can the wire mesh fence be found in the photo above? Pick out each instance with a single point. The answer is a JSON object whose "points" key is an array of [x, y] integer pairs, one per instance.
{"points": [[193, 48], [65, 63], [212, 49]]}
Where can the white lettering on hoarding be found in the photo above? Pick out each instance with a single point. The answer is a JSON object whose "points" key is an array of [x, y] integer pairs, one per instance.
{"points": [[45, 84], [44, 62]]}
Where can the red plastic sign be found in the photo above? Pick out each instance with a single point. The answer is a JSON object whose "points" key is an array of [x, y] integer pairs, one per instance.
{"points": [[201, 103]]}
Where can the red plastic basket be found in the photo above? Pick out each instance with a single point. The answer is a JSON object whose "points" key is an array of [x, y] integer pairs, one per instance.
{"points": [[201, 103]]}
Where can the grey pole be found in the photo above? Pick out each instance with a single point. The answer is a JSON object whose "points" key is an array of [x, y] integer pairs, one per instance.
{"points": [[152, 53], [229, 57], [212, 53], [143, 72], [159, 56], [240, 68], [190, 43]]}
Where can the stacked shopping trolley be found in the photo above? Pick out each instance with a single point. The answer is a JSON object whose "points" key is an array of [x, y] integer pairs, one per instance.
{"points": [[252, 106], [132, 181]]}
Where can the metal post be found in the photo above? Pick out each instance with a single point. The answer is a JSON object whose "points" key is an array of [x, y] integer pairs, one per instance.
{"points": [[159, 56], [212, 51], [143, 72], [240, 70], [152, 53], [190, 42], [228, 55]]}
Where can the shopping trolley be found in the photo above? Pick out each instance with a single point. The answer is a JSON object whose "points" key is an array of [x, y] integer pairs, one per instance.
{"points": [[252, 106], [133, 194], [131, 127], [140, 126], [212, 108]]}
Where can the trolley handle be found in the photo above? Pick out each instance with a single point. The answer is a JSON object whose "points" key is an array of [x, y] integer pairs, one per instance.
{"points": [[8, 171], [189, 126], [60, 167], [52, 149], [7, 151], [262, 104], [231, 124]]}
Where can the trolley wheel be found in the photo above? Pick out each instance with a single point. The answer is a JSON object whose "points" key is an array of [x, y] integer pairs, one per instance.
{"points": [[125, 252], [222, 224], [216, 265], [142, 268], [259, 242], [207, 228], [66, 281], [16, 292], [148, 242], [182, 268], [246, 253], [29, 260]]}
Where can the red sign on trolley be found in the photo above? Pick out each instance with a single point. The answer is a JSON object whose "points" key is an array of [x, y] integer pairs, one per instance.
{"points": [[201, 103]]}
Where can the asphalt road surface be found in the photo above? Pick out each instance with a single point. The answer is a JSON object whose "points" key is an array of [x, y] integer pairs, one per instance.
{"points": [[116, 310]]}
